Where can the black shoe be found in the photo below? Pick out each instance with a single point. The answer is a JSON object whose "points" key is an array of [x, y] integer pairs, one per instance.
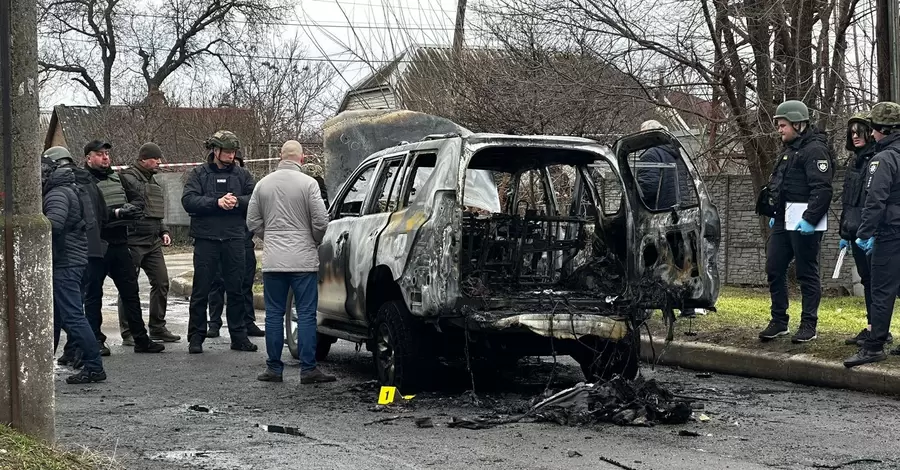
{"points": [[129, 341], [149, 347], [86, 377], [65, 360], [864, 356], [165, 336], [212, 332], [269, 376], [78, 360], [858, 339], [805, 334], [245, 346], [253, 330], [196, 347], [773, 331], [104, 350], [889, 340]]}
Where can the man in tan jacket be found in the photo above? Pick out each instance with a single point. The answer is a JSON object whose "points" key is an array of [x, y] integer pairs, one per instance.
{"points": [[287, 212]]}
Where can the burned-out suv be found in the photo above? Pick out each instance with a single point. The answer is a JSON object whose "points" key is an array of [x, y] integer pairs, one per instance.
{"points": [[495, 247]]}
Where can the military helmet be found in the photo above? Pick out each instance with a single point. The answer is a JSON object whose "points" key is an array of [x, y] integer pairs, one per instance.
{"points": [[862, 120], [863, 117], [793, 111], [58, 153], [312, 170], [885, 114], [225, 140]]}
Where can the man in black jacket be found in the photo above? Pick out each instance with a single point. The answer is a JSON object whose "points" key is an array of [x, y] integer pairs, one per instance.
{"points": [[662, 181], [147, 237], [216, 196], [69, 218], [217, 292], [117, 262], [802, 174], [881, 221]]}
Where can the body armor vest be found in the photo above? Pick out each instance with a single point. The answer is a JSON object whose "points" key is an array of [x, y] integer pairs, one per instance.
{"points": [[112, 190], [154, 200]]}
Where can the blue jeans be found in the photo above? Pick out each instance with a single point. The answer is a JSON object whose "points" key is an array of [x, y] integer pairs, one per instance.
{"points": [[306, 299], [68, 313]]}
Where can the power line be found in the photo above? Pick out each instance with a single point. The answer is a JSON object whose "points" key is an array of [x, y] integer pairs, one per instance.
{"points": [[247, 56], [375, 26], [388, 5]]}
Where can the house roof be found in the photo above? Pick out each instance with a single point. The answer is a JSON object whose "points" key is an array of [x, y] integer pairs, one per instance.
{"points": [[180, 132]]}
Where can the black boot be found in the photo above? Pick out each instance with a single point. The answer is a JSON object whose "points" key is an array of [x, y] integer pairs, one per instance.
{"points": [[149, 347], [253, 330], [196, 346]]}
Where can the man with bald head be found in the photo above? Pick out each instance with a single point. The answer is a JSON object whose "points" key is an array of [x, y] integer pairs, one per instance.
{"points": [[287, 212]]}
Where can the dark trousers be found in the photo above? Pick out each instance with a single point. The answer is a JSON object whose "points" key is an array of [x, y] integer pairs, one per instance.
{"points": [[118, 265], [783, 247], [885, 266], [150, 258], [212, 258], [217, 293], [865, 277], [68, 313]]}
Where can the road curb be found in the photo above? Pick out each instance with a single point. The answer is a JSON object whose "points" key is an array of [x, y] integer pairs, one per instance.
{"points": [[799, 368], [182, 284]]}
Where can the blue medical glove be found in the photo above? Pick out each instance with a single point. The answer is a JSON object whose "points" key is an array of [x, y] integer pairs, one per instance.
{"points": [[866, 245], [805, 227], [843, 244], [771, 223]]}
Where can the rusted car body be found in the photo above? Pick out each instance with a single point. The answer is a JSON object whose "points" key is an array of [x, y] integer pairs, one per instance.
{"points": [[496, 247]]}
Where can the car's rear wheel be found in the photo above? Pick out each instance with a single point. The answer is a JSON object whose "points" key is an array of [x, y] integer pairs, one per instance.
{"points": [[323, 342], [601, 359], [401, 360]]}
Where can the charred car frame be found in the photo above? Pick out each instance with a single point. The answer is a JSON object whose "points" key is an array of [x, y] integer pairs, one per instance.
{"points": [[497, 247]]}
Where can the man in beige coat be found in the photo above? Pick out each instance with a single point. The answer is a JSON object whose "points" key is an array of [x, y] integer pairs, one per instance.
{"points": [[287, 212]]}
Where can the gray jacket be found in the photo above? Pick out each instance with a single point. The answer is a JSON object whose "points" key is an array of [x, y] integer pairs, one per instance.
{"points": [[287, 212]]}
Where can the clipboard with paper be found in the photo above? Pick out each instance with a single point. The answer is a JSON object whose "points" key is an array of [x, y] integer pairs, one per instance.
{"points": [[793, 214]]}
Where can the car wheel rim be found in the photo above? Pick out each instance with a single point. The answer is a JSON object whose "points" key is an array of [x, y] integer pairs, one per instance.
{"points": [[386, 353]]}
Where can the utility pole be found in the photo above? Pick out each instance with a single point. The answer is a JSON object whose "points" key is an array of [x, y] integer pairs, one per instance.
{"points": [[26, 329], [887, 29], [460, 29]]}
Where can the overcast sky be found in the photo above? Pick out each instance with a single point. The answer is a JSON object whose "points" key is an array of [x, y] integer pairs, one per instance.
{"points": [[380, 30]]}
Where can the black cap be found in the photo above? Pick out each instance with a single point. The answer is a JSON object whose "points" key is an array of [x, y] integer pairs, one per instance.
{"points": [[96, 145], [149, 150]]}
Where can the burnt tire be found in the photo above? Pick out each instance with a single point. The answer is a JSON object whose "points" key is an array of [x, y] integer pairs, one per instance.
{"points": [[398, 348], [323, 342], [602, 359]]}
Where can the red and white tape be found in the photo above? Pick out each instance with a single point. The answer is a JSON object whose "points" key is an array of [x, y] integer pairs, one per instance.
{"points": [[164, 166]]}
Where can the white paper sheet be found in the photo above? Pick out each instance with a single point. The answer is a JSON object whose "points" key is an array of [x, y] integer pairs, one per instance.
{"points": [[793, 214], [839, 264]]}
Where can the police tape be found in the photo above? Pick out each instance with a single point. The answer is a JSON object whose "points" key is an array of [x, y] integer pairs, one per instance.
{"points": [[163, 166]]}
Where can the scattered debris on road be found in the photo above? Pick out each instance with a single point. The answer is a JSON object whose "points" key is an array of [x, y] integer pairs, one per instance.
{"points": [[617, 464], [847, 464], [704, 375], [424, 422], [385, 420], [574, 453], [274, 428], [466, 423], [200, 408], [686, 433], [639, 402]]}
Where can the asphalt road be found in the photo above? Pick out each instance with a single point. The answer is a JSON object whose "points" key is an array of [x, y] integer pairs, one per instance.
{"points": [[141, 416]]}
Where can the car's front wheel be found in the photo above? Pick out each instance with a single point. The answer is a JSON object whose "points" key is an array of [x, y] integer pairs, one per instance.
{"points": [[398, 352]]}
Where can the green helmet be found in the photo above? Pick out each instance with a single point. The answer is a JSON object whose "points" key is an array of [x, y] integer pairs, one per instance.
{"points": [[225, 140], [862, 117], [312, 170], [886, 114], [792, 111], [58, 153]]}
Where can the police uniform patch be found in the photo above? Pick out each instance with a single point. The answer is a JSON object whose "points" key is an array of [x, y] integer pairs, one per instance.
{"points": [[822, 165], [872, 167]]}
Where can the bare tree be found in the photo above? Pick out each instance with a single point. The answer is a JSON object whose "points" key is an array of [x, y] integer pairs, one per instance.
{"points": [[96, 42], [290, 95]]}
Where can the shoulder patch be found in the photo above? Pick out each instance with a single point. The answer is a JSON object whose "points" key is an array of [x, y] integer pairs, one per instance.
{"points": [[822, 165], [873, 166]]}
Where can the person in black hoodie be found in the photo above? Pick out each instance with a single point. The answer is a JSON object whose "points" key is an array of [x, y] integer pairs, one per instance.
{"points": [[69, 218], [216, 196], [853, 199], [117, 262], [802, 174], [663, 182]]}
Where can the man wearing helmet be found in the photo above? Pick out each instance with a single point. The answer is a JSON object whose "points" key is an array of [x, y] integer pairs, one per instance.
{"points": [[216, 196], [802, 174], [881, 222]]}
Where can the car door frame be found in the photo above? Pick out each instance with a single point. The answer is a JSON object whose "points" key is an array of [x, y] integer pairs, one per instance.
{"points": [[689, 234]]}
